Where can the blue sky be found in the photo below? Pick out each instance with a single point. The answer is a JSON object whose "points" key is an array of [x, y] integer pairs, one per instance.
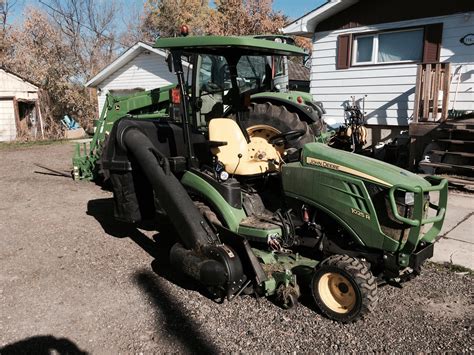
{"points": [[291, 8], [296, 8]]}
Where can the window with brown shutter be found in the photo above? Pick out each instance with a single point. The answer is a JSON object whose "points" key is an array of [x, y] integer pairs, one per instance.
{"points": [[343, 60], [397, 46], [432, 42]]}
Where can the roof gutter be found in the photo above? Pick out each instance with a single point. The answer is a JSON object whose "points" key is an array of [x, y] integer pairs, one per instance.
{"points": [[306, 25], [121, 60]]}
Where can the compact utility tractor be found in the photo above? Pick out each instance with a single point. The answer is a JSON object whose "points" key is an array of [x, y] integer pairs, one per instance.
{"points": [[257, 205]]}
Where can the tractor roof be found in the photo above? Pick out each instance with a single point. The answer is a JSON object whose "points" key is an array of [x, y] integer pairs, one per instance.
{"points": [[228, 45]]}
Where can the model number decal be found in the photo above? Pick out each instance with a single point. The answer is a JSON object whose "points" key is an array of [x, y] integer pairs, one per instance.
{"points": [[360, 213]]}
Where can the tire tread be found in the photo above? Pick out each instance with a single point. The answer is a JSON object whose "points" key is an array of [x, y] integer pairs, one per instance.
{"points": [[361, 275]]}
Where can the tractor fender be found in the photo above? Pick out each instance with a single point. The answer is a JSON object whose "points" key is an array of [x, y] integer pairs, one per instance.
{"points": [[306, 113], [231, 215]]}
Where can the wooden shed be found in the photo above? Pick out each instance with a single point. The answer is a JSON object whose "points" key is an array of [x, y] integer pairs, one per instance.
{"points": [[19, 113]]}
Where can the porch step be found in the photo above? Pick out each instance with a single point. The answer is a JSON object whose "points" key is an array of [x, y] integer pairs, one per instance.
{"points": [[456, 129], [456, 141], [461, 154], [459, 124], [463, 183], [447, 166]]}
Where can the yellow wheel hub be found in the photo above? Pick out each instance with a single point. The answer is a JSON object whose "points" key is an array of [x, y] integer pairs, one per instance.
{"points": [[337, 292], [263, 131], [266, 132]]}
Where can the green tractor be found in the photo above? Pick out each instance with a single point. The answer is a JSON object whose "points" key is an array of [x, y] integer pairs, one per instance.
{"points": [[264, 76], [257, 205]]}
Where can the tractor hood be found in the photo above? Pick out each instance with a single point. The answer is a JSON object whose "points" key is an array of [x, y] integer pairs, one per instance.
{"points": [[321, 155]]}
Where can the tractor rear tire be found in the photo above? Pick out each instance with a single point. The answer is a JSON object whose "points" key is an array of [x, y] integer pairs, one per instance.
{"points": [[267, 120], [344, 288]]}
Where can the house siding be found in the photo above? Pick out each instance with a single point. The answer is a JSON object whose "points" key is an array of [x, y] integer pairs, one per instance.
{"points": [[147, 71], [7, 121], [390, 88], [11, 87]]}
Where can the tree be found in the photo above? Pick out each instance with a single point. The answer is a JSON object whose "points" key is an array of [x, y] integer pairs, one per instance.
{"points": [[165, 17], [59, 49], [134, 22], [245, 17], [5, 7], [40, 52], [88, 26]]}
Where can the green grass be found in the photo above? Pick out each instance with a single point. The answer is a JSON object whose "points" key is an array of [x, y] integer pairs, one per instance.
{"points": [[18, 144]]}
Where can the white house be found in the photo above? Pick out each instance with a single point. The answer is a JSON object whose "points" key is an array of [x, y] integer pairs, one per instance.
{"points": [[18, 106], [372, 47], [139, 68]]}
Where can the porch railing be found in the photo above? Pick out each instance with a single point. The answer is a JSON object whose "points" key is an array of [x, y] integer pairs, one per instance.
{"points": [[432, 92]]}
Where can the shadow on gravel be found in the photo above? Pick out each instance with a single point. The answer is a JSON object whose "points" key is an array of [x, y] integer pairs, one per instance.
{"points": [[42, 345], [158, 247], [103, 211], [178, 324], [52, 172]]}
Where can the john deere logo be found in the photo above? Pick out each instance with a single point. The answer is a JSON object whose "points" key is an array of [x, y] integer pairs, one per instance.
{"points": [[345, 169], [322, 163]]}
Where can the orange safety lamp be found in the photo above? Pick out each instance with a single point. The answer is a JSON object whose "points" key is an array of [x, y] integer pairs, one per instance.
{"points": [[176, 95]]}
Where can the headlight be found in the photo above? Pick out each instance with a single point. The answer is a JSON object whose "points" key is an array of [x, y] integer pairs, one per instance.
{"points": [[409, 198], [223, 175]]}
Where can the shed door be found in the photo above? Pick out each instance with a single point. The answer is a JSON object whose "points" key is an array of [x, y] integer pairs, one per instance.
{"points": [[7, 120]]}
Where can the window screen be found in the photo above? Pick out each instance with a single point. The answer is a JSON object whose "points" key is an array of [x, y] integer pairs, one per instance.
{"points": [[364, 49], [388, 47], [400, 46]]}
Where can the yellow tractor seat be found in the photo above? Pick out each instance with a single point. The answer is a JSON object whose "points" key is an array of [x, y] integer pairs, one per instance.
{"points": [[257, 157]]}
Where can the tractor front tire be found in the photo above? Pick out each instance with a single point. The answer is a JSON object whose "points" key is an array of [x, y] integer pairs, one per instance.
{"points": [[344, 288], [267, 120]]}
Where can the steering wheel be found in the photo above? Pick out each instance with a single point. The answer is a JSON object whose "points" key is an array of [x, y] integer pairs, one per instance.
{"points": [[211, 88], [285, 137]]}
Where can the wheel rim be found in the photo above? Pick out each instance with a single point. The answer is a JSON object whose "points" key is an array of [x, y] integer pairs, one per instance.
{"points": [[265, 132], [336, 292], [262, 131]]}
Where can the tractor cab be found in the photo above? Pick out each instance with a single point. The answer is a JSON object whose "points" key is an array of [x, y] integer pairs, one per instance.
{"points": [[226, 71], [216, 98]]}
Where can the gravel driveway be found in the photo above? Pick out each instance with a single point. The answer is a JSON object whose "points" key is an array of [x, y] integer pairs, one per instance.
{"points": [[73, 280]]}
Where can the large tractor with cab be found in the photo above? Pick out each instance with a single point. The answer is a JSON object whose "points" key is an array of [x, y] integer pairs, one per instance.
{"points": [[264, 77], [257, 205]]}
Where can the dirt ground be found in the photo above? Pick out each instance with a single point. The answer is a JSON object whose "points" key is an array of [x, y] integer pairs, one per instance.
{"points": [[73, 280]]}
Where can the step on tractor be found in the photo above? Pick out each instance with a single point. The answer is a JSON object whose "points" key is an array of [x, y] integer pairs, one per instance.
{"points": [[258, 206]]}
